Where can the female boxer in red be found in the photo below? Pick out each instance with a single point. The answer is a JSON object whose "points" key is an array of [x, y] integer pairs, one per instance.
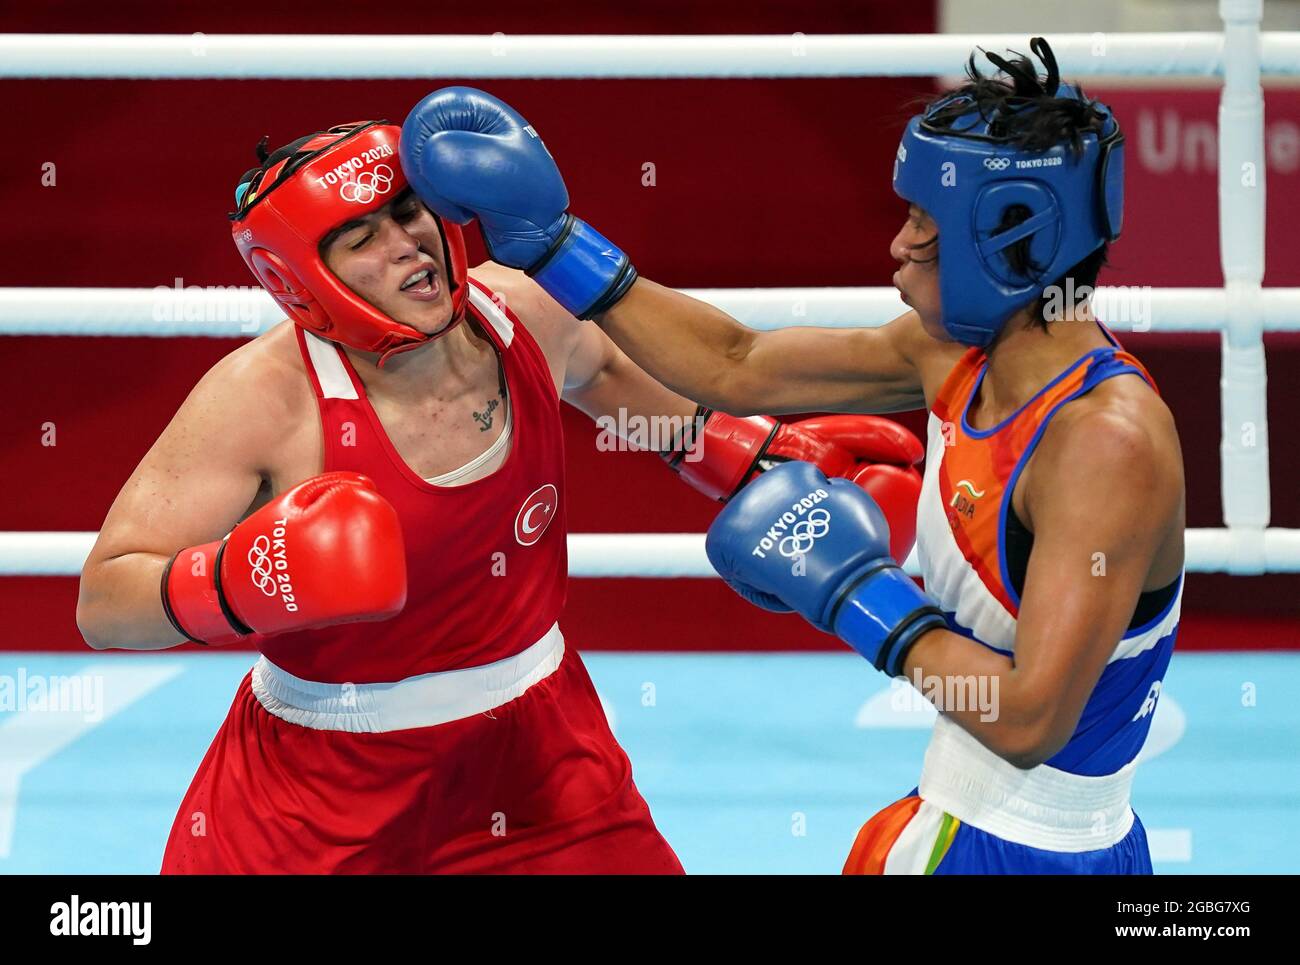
{"points": [[392, 467]]}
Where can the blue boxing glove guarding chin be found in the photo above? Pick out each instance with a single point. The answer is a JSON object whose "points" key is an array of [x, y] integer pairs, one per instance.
{"points": [[792, 539], [469, 155]]}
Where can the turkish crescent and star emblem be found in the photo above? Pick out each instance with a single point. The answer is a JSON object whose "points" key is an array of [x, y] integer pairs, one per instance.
{"points": [[536, 514]]}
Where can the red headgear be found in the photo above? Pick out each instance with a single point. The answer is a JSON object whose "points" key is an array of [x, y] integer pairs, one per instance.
{"points": [[303, 191]]}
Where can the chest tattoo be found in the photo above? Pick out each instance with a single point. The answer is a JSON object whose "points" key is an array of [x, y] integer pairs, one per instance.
{"points": [[484, 418]]}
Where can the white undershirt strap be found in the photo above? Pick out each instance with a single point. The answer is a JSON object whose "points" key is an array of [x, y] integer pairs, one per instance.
{"points": [[482, 459]]}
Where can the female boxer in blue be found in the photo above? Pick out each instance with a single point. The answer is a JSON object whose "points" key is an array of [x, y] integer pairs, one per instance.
{"points": [[1050, 524]]}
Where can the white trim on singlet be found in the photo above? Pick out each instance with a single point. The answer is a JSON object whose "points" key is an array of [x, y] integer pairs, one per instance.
{"points": [[335, 384], [493, 315], [330, 370]]}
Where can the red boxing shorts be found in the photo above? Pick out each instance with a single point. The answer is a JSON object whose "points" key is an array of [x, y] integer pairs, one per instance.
{"points": [[332, 780]]}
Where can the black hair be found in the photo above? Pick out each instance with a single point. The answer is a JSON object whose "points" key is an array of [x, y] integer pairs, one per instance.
{"points": [[1024, 109]]}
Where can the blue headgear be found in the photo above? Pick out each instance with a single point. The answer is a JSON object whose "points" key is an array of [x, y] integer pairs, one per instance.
{"points": [[966, 177]]}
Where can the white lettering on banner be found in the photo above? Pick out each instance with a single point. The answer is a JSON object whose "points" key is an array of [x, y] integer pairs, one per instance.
{"points": [[1170, 139]]}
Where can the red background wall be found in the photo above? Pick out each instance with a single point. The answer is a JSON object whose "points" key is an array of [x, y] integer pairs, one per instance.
{"points": [[762, 183]]}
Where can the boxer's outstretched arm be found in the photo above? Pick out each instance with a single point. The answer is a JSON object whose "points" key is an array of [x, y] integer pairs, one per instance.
{"points": [[712, 452], [470, 155], [704, 353]]}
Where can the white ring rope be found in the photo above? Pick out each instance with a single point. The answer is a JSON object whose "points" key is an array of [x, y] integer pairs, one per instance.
{"points": [[651, 555], [247, 311], [1241, 310], [500, 55]]}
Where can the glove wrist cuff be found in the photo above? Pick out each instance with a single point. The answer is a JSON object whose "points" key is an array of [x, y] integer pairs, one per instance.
{"points": [[724, 453], [881, 613], [192, 598], [584, 271], [684, 439]]}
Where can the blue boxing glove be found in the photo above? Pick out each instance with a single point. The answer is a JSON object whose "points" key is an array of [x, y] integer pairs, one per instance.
{"points": [[846, 583], [469, 155]]}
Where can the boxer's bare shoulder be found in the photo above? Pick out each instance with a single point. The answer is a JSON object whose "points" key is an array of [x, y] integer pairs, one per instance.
{"points": [[538, 311], [261, 384], [554, 329], [1120, 437], [1129, 416], [254, 408], [931, 358]]}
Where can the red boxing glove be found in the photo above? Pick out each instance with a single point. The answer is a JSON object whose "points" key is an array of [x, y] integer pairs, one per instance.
{"points": [[327, 551], [725, 452]]}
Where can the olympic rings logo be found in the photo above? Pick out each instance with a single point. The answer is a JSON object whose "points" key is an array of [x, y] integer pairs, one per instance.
{"points": [[259, 558], [997, 163], [806, 532], [368, 185]]}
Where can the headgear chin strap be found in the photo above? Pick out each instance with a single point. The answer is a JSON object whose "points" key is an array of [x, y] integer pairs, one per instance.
{"points": [[301, 193], [965, 176]]}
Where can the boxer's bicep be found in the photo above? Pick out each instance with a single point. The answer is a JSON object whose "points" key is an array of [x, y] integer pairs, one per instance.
{"points": [[202, 472], [835, 370], [591, 355], [609, 385], [192, 486], [1099, 513], [703, 353]]}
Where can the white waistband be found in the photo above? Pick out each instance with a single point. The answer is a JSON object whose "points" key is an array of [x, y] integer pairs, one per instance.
{"points": [[424, 701], [1042, 807]]}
